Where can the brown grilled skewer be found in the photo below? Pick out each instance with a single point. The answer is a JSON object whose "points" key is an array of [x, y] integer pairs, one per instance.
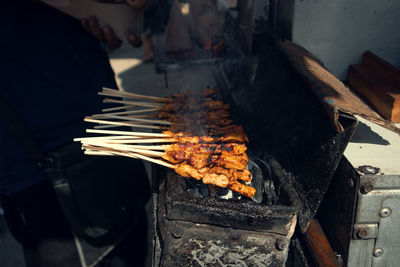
{"points": [[218, 161], [216, 175]]}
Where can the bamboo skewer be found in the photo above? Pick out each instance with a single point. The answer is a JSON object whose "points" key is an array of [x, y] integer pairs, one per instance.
{"points": [[130, 96], [145, 141], [163, 99], [136, 119], [135, 155], [127, 133], [108, 152], [98, 116], [155, 147], [127, 112], [122, 123], [140, 140], [97, 153], [144, 147], [125, 120], [131, 103], [105, 138], [122, 147], [142, 116], [165, 126], [86, 142], [105, 126], [115, 108]]}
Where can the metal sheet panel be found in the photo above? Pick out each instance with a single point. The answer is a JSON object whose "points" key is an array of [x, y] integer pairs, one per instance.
{"points": [[369, 205], [361, 253], [387, 245]]}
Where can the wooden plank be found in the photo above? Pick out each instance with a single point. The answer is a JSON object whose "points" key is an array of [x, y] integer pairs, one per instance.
{"points": [[386, 71], [382, 96]]}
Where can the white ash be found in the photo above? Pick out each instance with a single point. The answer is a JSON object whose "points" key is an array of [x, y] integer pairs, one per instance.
{"points": [[213, 253]]}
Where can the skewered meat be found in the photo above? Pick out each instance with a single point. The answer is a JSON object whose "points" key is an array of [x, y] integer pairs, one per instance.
{"points": [[199, 160], [216, 179], [175, 156], [224, 149], [186, 170], [206, 145], [201, 155], [237, 162], [214, 105], [242, 189], [208, 92], [192, 104], [236, 137], [229, 138], [244, 175]]}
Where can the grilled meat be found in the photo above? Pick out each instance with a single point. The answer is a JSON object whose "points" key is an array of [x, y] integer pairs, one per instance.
{"points": [[209, 147], [242, 189], [186, 170], [237, 162]]}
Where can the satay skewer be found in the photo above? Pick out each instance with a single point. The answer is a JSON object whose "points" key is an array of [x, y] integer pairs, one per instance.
{"points": [[97, 153], [112, 132], [105, 115], [138, 96], [145, 141], [124, 150], [133, 96], [162, 122], [231, 184], [182, 136], [128, 112], [105, 126], [108, 137], [226, 156], [142, 147], [123, 123], [132, 103], [116, 108], [128, 148], [136, 155]]}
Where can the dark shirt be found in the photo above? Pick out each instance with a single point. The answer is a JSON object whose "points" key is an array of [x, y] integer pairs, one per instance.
{"points": [[50, 72]]}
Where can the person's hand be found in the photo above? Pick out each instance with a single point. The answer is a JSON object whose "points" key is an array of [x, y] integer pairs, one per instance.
{"points": [[106, 34], [135, 40]]}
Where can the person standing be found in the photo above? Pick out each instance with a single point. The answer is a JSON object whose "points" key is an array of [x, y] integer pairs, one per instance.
{"points": [[50, 72]]}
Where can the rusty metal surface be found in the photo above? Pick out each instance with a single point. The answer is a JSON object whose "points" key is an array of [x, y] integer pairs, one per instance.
{"points": [[319, 246], [365, 231], [190, 244], [282, 117], [337, 212]]}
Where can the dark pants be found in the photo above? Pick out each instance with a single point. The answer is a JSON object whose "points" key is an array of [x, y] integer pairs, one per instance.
{"points": [[36, 220]]}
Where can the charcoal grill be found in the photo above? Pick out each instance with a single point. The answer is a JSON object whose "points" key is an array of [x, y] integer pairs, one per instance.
{"points": [[294, 151], [194, 222]]}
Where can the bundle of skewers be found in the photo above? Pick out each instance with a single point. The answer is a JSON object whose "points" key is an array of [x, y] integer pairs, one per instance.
{"points": [[197, 138]]}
